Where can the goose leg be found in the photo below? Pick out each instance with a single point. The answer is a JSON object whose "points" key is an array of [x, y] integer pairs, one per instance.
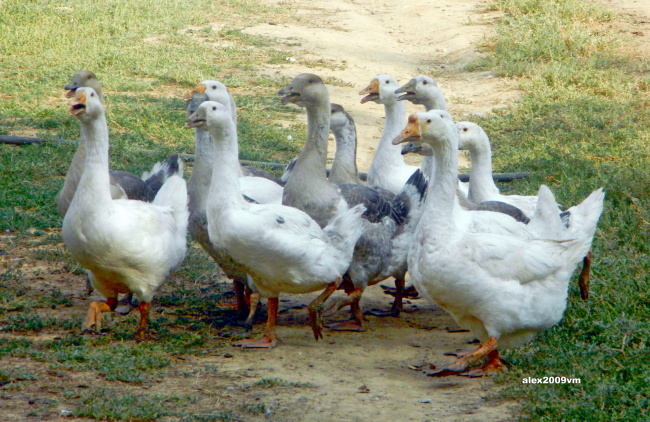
{"points": [[240, 295], [315, 308], [253, 301], [356, 323], [95, 310], [398, 305], [583, 281], [145, 308], [270, 338], [463, 364]]}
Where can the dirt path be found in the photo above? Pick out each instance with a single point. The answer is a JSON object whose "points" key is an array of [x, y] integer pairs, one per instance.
{"points": [[363, 38]]}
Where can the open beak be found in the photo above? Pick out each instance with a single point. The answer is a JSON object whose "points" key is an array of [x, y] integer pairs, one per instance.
{"points": [[78, 103], [371, 92], [407, 91], [288, 95], [411, 133], [195, 120]]}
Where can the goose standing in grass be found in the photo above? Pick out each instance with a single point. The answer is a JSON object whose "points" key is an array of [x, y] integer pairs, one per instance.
{"points": [[482, 188], [198, 188], [127, 246], [388, 169], [503, 288], [282, 248], [123, 184]]}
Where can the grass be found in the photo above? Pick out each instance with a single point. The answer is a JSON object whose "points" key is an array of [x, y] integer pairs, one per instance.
{"points": [[583, 123]]}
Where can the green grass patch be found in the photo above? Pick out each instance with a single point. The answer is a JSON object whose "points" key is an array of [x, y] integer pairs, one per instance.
{"points": [[583, 123]]}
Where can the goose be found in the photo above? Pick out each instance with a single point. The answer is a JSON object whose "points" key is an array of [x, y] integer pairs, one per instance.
{"points": [[123, 184], [344, 167], [308, 189], [217, 91], [128, 246], [503, 288], [388, 169], [283, 248], [483, 190], [198, 187]]}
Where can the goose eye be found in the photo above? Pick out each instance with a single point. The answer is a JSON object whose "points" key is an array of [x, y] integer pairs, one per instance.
{"points": [[387, 82], [428, 120], [465, 129], [214, 108], [92, 94], [424, 82], [214, 87]]}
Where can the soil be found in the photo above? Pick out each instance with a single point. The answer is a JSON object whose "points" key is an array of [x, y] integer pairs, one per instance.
{"points": [[355, 376]]}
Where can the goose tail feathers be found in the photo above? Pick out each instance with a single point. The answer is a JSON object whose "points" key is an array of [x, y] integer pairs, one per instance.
{"points": [[162, 171]]}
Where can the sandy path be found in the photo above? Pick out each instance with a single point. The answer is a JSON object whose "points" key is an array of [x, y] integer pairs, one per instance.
{"points": [[363, 38]]}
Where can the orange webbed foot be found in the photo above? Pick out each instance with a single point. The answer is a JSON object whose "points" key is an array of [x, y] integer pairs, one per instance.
{"points": [[94, 316]]}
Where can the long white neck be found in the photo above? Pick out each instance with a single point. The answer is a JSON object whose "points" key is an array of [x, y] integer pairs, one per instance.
{"points": [[94, 185], [201, 177], [224, 190], [387, 154], [344, 168], [481, 185], [441, 197]]}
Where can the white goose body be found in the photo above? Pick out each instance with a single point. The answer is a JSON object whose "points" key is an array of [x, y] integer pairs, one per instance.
{"points": [[282, 248], [388, 169], [503, 288], [128, 246]]}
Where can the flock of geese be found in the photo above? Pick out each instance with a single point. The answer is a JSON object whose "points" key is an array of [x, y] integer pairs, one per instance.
{"points": [[499, 264]]}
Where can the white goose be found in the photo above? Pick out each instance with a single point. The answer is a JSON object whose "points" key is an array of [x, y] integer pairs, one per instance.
{"points": [[503, 288], [128, 246], [388, 169], [123, 184], [282, 248]]}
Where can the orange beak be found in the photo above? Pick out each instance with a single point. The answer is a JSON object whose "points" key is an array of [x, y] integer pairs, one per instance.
{"points": [[370, 92], [410, 133]]}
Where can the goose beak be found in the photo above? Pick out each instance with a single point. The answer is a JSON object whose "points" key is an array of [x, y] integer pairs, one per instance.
{"points": [[78, 103], [288, 95], [200, 89], [407, 91], [411, 147], [195, 120], [371, 92], [411, 133]]}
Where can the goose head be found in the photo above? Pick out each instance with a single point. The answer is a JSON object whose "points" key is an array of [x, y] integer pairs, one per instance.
{"points": [[210, 114], [215, 91], [84, 78], [85, 104], [195, 101], [381, 90], [432, 127], [471, 136], [305, 90], [340, 118], [420, 90]]}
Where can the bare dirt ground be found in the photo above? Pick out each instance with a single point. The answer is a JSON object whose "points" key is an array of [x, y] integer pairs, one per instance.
{"points": [[355, 376]]}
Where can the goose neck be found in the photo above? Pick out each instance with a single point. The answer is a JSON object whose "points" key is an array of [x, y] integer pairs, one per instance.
{"points": [[481, 182], [201, 177], [94, 185], [224, 189]]}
